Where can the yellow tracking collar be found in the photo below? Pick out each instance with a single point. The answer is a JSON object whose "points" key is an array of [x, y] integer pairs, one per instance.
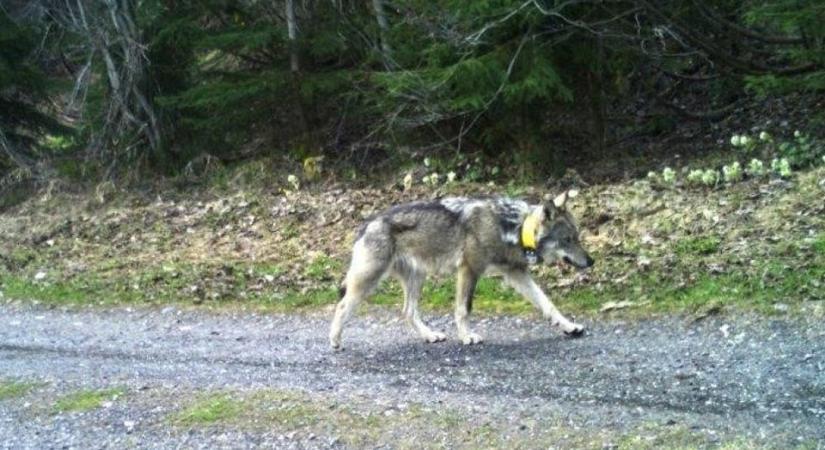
{"points": [[528, 231]]}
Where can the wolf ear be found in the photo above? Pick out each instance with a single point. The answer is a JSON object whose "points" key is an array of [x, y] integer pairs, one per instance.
{"points": [[547, 211], [561, 200]]}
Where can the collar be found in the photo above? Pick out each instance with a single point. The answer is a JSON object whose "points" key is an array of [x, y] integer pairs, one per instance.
{"points": [[529, 229]]}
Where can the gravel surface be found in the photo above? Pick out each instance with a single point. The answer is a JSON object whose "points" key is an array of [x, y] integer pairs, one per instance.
{"points": [[756, 381]]}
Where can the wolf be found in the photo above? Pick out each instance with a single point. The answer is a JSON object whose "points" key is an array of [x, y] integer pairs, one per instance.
{"points": [[470, 237]]}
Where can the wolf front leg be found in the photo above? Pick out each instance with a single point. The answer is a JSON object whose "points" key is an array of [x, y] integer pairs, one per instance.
{"points": [[465, 286], [523, 283]]}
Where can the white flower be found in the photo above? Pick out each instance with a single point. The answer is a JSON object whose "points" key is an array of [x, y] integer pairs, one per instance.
{"points": [[408, 181], [797, 134], [764, 136], [744, 141], [756, 168], [710, 177], [695, 176], [668, 175], [735, 140], [450, 176], [652, 176], [426, 162], [782, 167], [732, 172], [293, 180], [434, 178]]}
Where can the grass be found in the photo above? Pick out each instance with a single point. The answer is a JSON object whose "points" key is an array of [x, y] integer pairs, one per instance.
{"points": [[279, 409], [782, 278], [322, 267], [701, 245], [356, 424], [361, 423], [209, 410], [86, 400], [10, 389]]}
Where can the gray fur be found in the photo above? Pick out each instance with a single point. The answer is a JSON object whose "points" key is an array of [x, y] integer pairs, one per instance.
{"points": [[468, 236]]}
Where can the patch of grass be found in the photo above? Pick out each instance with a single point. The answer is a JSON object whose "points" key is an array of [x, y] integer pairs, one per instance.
{"points": [[323, 268], [210, 409], [14, 389], [700, 245], [278, 409], [86, 400], [51, 292], [819, 244], [357, 424]]}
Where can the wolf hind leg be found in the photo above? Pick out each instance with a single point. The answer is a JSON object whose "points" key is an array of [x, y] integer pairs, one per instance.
{"points": [[366, 270], [412, 281], [465, 285]]}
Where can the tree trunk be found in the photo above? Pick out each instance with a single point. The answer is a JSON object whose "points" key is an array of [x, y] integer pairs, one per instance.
{"points": [[295, 68], [383, 27], [292, 33]]}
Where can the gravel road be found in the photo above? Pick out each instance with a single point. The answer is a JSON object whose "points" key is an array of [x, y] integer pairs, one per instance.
{"points": [[724, 380]]}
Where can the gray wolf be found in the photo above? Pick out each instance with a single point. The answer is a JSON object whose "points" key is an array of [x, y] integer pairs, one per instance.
{"points": [[469, 236]]}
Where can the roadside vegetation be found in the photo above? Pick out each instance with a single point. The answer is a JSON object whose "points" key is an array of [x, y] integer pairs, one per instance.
{"points": [[756, 244]]}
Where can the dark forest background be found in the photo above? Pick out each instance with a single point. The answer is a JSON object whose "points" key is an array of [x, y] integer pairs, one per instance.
{"points": [[130, 90]]}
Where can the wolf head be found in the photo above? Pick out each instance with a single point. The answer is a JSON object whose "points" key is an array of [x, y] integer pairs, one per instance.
{"points": [[557, 236]]}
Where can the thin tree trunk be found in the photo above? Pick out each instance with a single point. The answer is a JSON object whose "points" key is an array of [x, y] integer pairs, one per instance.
{"points": [[295, 68], [292, 33], [383, 27]]}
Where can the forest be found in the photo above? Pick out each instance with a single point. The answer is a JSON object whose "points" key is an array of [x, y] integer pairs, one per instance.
{"points": [[627, 195], [128, 90]]}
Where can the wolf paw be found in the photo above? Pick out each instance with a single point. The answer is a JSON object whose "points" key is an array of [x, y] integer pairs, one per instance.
{"points": [[471, 338], [574, 330], [335, 344], [435, 336]]}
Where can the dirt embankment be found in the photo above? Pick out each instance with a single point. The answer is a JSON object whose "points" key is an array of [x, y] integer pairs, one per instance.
{"points": [[282, 247]]}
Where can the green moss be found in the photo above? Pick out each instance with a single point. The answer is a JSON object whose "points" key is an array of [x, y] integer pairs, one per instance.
{"points": [[14, 389], [86, 400], [210, 409]]}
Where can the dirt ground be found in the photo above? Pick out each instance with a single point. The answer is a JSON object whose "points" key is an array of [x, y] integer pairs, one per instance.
{"points": [[676, 382]]}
